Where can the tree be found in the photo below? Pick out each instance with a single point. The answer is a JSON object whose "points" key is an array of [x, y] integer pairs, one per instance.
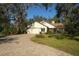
{"points": [[69, 13], [18, 11], [39, 18], [56, 19], [4, 21]]}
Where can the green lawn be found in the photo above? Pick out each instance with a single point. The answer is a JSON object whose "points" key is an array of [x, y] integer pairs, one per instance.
{"points": [[65, 44]]}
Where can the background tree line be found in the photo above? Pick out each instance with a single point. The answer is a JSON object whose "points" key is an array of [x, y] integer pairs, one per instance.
{"points": [[13, 17], [15, 13], [68, 14]]}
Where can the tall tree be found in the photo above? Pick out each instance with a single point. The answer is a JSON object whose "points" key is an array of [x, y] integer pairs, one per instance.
{"points": [[18, 11], [20, 14], [4, 21], [69, 13]]}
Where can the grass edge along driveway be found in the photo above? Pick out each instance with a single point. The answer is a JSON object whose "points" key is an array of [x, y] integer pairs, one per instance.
{"points": [[66, 45]]}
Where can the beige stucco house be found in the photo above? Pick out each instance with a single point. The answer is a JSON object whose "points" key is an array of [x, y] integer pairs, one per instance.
{"points": [[39, 27]]}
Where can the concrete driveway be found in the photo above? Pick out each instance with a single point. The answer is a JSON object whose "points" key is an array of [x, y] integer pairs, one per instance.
{"points": [[21, 45]]}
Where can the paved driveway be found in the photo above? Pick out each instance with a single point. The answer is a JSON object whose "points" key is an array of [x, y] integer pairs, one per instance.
{"points": [[23, 46]]}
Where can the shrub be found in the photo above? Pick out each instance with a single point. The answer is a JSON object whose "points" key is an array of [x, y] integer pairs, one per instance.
{"points": [[76, 38], [59, 36], [51, 35], [40, 36]]}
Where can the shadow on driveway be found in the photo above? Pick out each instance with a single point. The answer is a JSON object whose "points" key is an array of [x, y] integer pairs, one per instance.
{"points": [[6, 40]]}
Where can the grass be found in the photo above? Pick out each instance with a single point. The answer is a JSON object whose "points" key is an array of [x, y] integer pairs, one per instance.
{"points": [[65, 44]]}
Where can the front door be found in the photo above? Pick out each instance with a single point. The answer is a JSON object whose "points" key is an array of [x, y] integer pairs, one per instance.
{"points": [[42, 30]]}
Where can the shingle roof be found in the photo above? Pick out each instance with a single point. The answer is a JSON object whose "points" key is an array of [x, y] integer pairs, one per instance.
{"points": [[47, 24], [58, 25]]}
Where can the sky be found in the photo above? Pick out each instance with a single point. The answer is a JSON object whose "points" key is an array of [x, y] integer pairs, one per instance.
{"points": [[41, 11]]}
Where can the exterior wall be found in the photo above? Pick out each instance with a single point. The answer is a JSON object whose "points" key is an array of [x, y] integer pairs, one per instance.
{"points": [[33, 31], [36, 28]]}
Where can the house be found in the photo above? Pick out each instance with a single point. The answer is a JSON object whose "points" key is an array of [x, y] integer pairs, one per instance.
{"points": [[39, 27], [59, 26]]}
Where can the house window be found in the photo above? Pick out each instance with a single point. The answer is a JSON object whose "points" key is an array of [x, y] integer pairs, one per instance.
{"points": [[42, 29]]}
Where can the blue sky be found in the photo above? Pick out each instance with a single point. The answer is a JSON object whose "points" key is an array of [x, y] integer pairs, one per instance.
{"points": [[41, 11]]}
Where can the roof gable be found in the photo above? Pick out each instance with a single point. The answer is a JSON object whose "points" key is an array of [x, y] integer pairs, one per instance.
{"points": [[47, 24], [37, 25]]}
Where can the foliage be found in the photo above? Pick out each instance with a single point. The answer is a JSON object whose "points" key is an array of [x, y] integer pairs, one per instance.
{"points": [[39, 18], [56, 19], [40, 36], [69, 13], [17, 11]]}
